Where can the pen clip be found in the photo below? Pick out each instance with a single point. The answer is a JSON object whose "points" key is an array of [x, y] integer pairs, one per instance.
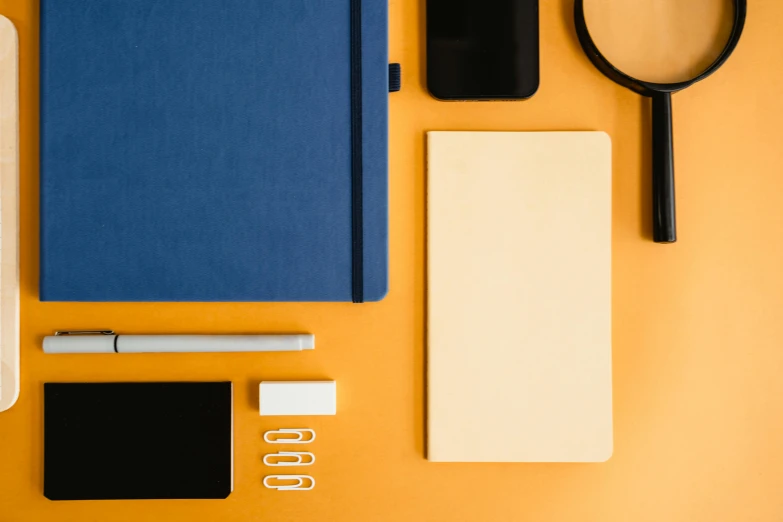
{"points": [[84, 332]]}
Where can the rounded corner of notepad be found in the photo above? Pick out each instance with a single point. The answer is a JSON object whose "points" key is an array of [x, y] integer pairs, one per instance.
{"points": [[7, 24], [9, 386], [604, 137], [8, 399], [605, 455]]}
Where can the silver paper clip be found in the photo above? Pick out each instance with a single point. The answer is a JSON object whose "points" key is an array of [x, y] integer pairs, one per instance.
{"points": [[283, 439], [301, 480], [280, 458]]}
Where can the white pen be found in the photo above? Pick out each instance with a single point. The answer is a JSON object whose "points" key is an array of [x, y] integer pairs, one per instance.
{"points": [[106, 341]]}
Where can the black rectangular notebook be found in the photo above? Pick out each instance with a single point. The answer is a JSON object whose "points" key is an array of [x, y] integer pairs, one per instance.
{"points": [[157, 440]]}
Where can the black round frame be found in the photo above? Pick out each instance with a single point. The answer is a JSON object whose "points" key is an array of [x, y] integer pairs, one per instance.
{"points": [[664, 218]]}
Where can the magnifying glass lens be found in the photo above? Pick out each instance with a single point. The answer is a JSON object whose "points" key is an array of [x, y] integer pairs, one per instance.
{"points": [[661, 41]]}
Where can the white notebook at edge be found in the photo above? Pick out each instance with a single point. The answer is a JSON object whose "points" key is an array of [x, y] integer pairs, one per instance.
{"points": [[519, 297]]}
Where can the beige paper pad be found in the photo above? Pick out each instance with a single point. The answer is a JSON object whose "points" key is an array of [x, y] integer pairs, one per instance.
{"points": [[519, 297], [9, 215]]}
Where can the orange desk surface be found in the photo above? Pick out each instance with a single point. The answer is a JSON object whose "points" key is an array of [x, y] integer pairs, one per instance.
{"points": [[698, 326]]}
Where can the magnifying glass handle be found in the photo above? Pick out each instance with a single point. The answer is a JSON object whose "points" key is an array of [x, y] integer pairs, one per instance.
{"points": [[664, 220]]}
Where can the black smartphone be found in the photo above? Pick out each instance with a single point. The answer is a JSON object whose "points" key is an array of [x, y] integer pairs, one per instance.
{"points": [[482, 49]]}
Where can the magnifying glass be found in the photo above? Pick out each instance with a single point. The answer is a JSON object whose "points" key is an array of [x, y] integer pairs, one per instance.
{"points": [[659, 47]]}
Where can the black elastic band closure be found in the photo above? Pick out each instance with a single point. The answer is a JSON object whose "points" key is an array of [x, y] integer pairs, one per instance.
{"points": [[357, 188]]}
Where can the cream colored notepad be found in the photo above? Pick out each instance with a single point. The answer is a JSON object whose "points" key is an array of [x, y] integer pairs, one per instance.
{"points": [[519, 297], [9, 215]]}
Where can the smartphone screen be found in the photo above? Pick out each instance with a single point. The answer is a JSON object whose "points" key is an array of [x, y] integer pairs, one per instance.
{"points": [[482, 49]]}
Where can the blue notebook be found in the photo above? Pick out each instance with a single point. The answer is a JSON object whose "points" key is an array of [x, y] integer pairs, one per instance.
{"points": [[214, 150]]}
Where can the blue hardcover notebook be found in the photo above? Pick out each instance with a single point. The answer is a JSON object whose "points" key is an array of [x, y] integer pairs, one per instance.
{"points": [[214, 150]]}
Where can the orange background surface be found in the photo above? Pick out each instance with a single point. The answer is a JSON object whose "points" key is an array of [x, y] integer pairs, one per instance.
{"points": [[698, 335]]}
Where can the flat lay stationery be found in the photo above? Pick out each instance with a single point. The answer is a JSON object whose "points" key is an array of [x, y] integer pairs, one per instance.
{"points": [[212, 179]]}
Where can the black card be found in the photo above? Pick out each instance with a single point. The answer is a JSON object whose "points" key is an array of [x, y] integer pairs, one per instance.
{"points": [[158, 440]]}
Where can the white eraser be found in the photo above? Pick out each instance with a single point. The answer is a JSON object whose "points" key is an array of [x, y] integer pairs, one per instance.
{"points": [[298, 397]]}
